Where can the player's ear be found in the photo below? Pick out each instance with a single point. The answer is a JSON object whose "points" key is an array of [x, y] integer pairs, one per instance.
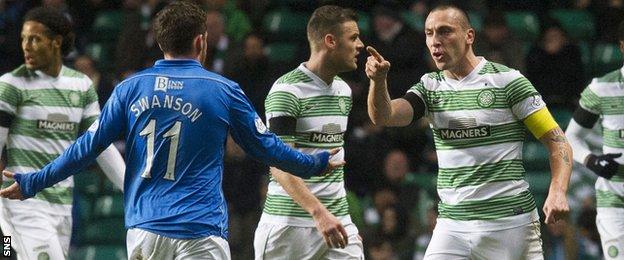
{"points": [[330, 41], [57, 41], [198, 42], [621, 44], [470, 36]]}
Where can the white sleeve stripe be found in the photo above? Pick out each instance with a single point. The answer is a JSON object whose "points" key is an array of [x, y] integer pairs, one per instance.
{"points": [[91, 110], [4, 106]]}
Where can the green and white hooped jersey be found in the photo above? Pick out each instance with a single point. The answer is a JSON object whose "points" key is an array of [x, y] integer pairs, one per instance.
{"points": [[605, 97], [49, 113], [478, 133], [321, 112]]}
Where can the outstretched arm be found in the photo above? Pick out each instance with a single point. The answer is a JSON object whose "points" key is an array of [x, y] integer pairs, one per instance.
{"points": [[77, 156], [251, 134]]}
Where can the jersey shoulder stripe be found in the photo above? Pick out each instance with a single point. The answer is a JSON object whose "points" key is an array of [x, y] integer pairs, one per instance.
{"points": [[493, 68], [611, 77], [294, 76]]}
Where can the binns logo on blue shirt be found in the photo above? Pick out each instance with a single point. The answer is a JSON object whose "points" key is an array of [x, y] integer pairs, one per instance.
{"points": [[163, 83]]}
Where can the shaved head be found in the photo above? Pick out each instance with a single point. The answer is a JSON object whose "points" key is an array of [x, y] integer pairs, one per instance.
{"points": [[460, 16]]}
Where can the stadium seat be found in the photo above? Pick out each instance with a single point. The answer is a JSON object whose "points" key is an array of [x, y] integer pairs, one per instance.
{"points": [[109, 206], [107, 26], [102, 232], [562, 116], [281, 51], [476, 20], [364, 24], [579, 24], [84, 205], [525, 25], [535, 156], [606, 57], [284, 25], [103, 54], [539, 182], [103, 252], [414, 21], [87, 183]]}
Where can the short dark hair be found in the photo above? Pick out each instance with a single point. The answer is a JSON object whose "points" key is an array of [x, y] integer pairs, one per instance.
{"points": [[327, 19], [464, 19], [56, 23], [620, 31], [177, 25]]}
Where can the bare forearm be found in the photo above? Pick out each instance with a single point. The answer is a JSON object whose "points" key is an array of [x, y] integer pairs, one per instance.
{"points": [[113, 166], [379, 108], [560, 159], [298, 191]]}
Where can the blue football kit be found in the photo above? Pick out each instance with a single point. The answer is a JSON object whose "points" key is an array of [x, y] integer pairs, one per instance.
{"points": [[175, 118]]}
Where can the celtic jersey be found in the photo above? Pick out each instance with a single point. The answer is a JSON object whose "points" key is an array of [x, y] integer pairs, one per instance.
{"points": [[49, 113], [478, 133], [321, 112], [605, 97]]}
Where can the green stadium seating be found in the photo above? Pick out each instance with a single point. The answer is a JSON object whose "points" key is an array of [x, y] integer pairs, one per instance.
{"points": [[109, 231], [539, 182], [535, 156], [364, 24], [606, 57], [476, 20], [562, 116], [85, 206], [103, 54], [525, 25], [103, 252], [284, 25], [585, 48], [413, 20], [109, 206], [579, 24], [281, 51], [107, 26]]}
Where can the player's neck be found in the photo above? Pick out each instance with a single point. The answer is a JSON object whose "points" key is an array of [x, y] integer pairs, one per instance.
{"points": [[463, 67], [169, 56], [54, 69], [317, 65]]}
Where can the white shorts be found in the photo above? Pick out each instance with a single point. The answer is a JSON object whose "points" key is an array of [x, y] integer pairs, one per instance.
{"points": [[275, 241], [611, 229], [35, 234], [522, 242], [147, 245]]}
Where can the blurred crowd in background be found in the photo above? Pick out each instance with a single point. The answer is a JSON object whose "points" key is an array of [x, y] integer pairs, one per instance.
{"points": [[558, 45]]}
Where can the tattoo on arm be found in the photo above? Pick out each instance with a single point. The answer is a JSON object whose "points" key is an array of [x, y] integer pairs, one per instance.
{"points": [[558, 137]]}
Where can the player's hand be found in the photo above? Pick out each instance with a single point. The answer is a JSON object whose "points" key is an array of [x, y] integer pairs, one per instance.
{"points": [[331, 165], [556, 207], [376, 66], [331, 229], [12, 192], [603, 165]]}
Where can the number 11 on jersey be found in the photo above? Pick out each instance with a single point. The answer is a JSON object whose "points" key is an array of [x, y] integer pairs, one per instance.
{"points": [[150, 132]]}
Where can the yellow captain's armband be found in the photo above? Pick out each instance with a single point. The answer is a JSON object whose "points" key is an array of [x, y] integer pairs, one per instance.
{"points": [[540, 123]]}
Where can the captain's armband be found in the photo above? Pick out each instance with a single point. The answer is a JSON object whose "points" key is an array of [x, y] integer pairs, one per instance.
{"points": [[540, 123]]}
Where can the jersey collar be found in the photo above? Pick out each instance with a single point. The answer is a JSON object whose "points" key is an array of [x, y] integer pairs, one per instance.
{"points": [[471, 76], [177, 63], [317, 80], [42, 75]]}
